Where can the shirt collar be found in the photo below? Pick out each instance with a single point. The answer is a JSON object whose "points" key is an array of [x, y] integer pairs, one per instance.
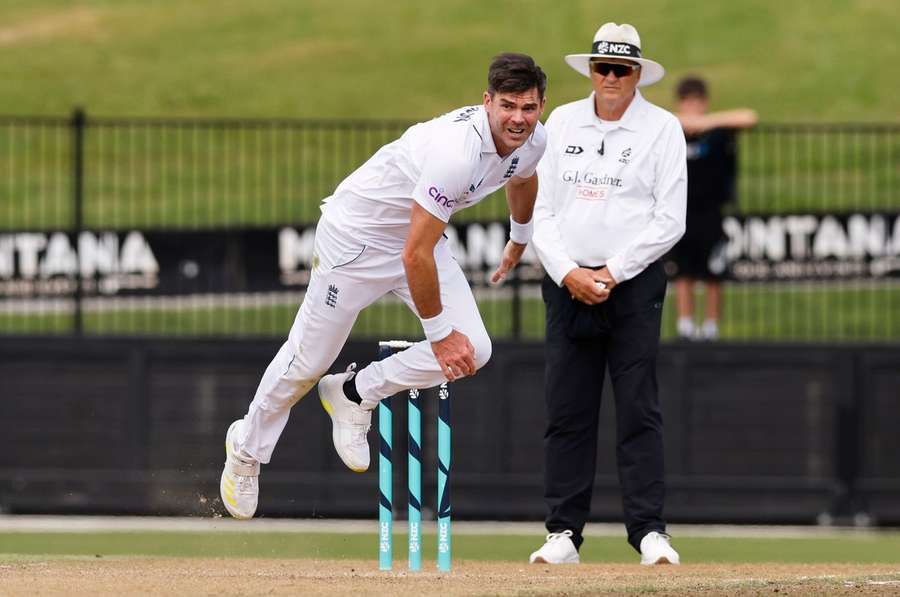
{"points": [[630, 119], [484, 131]]}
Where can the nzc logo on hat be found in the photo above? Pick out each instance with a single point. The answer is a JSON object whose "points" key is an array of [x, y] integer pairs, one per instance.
{"points": [[620, 42]]}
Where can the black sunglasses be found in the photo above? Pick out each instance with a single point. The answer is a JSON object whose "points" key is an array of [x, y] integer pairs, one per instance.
{"points": [[621, 70]]}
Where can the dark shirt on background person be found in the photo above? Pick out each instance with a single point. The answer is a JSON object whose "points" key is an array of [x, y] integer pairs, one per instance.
{"points": [[712, 174]]}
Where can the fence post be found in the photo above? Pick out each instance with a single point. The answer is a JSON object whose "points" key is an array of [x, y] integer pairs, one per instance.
{"points": [[78, 124]]}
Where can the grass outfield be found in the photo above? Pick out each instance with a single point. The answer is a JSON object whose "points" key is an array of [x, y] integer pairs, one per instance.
{"points": [[873, 548], [793, 61]]}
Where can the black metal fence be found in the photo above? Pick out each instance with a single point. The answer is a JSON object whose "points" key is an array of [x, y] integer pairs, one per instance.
{"points": [[830, 191]]}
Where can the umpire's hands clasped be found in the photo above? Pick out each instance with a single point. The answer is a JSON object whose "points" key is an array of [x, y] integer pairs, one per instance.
{"points": [[456, 355], [589, 286]]}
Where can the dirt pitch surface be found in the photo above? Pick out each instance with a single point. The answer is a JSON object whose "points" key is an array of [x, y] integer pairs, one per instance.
{"points": [[170, 576]]}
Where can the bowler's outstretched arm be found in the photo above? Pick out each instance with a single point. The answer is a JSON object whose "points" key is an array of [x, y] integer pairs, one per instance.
{"points": [[520, 196]]}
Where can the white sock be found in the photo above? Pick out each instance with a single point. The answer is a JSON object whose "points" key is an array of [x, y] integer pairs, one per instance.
{"points": [[685, 327], [710, 329]]}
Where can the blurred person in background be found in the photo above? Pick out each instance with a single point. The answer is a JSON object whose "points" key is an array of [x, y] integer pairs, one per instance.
{"points": [[382, 232], [712, 170], [611, 203]]}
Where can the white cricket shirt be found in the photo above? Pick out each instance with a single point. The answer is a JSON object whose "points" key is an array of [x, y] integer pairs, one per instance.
{"points": [[611, 193], [445, 165]]}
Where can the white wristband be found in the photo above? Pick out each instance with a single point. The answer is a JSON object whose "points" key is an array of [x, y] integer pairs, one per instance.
{"points": [[520, 233], [437, 328]]}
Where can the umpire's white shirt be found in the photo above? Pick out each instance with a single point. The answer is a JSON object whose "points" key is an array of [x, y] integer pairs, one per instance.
{"points": [[445, 165], [611, 193]]}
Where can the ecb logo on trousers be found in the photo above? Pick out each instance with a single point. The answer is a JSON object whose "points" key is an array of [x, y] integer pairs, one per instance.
{"points": [[331, 297]]}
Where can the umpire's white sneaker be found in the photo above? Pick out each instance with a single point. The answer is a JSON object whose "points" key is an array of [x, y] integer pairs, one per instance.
{"points": [[656, 549], [558, 549], [350, 422], [239, 486]]}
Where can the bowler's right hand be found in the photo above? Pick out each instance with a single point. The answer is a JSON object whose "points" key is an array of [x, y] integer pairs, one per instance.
{"points": [[456, 355]]}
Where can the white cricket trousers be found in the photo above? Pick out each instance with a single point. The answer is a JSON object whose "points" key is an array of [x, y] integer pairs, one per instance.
{"points": [[347, 277]]}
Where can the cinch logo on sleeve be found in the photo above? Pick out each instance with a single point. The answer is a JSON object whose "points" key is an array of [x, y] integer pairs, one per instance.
{"points": [[440, 198]]}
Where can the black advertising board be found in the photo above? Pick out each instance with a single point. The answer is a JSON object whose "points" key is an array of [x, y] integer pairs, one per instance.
{"points": [[157, 263]]}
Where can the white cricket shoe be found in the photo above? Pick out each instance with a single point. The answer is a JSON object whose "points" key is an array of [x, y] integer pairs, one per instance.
{"points": [[350, 421], [559, 549], [239, 486], [686, 328], [656, 549], [709, 330]]}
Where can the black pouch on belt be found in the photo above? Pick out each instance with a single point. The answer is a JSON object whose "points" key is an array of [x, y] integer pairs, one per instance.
{"points": [[586, 321], [578, 320]]}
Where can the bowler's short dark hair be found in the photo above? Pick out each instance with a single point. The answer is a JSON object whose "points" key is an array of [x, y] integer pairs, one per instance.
{"points": [[691, 87], [514, 73]]}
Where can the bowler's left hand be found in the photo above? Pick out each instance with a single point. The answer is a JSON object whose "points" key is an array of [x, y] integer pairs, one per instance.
{"points": [[512, 253]]}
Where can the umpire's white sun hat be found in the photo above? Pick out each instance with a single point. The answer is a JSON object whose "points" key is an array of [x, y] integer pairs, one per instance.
{"points": [[618, 41]]}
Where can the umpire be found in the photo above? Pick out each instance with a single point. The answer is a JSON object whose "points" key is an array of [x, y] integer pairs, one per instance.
{"points": [[611, 203]]}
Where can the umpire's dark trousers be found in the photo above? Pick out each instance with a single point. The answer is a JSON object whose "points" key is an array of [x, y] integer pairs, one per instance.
{"points": [[582, 340]]}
